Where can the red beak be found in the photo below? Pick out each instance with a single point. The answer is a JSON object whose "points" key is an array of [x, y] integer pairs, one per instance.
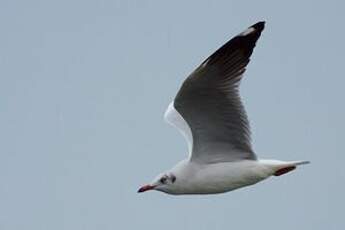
{"points": [[146, 188]]}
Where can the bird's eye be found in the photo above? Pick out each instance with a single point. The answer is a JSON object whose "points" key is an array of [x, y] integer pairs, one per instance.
{"points": [[163, 180], [173, 178]]}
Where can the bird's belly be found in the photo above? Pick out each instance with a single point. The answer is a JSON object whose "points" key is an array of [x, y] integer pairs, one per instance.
{"points": [[228, 176]]}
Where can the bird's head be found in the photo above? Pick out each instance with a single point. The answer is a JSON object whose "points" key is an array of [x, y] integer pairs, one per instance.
{"points": [[164, 182]]}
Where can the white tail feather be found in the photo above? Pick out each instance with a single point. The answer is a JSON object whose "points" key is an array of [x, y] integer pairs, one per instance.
{"points": [[278, 168], [299, 162]]}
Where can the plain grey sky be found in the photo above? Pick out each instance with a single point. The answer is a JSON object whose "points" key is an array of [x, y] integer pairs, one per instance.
{"points": [[83, 89]]}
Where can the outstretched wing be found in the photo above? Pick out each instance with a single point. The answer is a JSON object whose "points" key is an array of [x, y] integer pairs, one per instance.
{"points": [[208, 110]]}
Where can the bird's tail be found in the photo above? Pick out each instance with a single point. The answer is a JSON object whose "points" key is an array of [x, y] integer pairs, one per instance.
{"points": [[299, 162], [282, 167], [288, 166]]}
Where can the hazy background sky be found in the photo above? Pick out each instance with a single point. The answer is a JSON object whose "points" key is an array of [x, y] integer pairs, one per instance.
{"points": [[83, 89]]}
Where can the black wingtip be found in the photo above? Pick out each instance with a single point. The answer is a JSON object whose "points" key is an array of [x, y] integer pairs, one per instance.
{"points": [[244, 42], [253, 30], [260, 26]]}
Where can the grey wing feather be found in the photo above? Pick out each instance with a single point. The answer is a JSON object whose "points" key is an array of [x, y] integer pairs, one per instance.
{"points": [[209, 101]]}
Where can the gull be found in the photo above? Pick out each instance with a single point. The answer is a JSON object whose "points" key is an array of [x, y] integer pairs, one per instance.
{"points": [[208, 112]]}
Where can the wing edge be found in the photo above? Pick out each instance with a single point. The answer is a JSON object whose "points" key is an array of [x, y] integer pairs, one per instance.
{"points": [[175, 119]]}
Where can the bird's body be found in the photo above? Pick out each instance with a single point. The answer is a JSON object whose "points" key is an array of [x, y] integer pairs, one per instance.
{"points": [[195, 178], [208, 112]]}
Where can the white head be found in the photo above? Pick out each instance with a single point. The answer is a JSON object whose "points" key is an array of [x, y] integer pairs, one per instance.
{"points": [[173, 181], [164, 182]]}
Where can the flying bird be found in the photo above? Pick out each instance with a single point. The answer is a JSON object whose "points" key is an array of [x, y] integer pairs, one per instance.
{"points": [[208, 112]]}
